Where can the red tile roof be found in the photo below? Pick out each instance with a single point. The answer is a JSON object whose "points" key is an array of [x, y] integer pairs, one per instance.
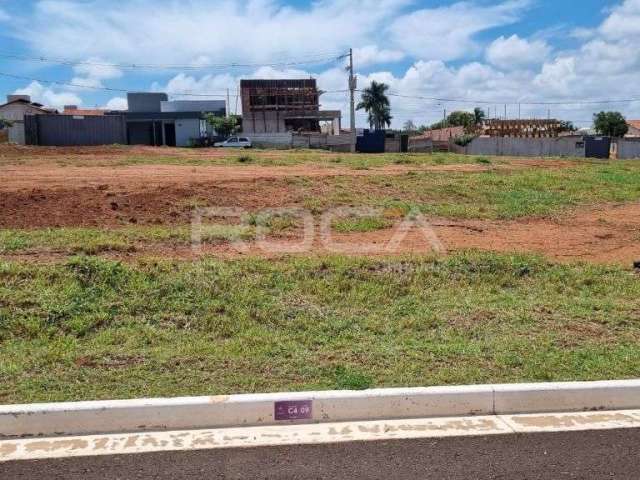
{"points": [[83, 113], [634, 123]]}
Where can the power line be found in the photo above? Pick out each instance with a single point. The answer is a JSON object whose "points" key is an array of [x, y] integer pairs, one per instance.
{"points": [[494, 102], [309, 59], [122, 90]]}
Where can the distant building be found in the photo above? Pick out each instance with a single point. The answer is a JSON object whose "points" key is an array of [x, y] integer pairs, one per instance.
{"points": [[634, 128], [525, 128], [150, 120], [443, 134], [15, 109], [153, 120], [81, 112], [281, 106]]}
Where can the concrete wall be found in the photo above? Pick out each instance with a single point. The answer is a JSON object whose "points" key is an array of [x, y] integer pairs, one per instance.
{"points": [[526, 147], [340, 143], [420, 144], [187, 129], [628, 148], [146, 102], [207, 106], [16, 133], [270, 139], [15, 113], [267, 122]]}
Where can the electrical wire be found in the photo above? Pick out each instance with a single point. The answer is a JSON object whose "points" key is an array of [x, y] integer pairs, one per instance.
{"points": [[309, 59], [487, 102], [121, 90]]}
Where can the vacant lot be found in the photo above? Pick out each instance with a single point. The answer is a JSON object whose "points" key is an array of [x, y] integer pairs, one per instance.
{"points": [[102, 294]]}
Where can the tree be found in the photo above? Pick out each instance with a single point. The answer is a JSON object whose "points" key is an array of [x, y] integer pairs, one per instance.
{"points": [[224, 126], [479, 115], [567, 126], [611, 124], [376, 103], [409, 126], [461, 119]]}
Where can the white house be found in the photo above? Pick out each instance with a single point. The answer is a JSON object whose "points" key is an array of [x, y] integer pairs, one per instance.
{"points": [[15, 109]]}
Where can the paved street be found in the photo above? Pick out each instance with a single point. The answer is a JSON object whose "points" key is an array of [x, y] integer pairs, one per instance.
{"points": [[590, 455]]}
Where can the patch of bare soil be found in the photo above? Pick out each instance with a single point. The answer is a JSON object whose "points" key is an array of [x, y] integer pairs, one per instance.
{"points": [[35, 196], [21, 178], [605, 235], [608, 234]]}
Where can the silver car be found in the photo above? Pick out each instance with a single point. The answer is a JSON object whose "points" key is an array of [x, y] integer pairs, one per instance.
{"points": [[235, 142]]}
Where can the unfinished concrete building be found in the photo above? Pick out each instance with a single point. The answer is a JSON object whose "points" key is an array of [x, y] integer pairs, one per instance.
{"points": [[528, 128], [281, 106]]}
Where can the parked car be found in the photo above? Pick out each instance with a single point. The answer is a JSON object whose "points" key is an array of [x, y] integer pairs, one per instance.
{"points": [[235, 142]]}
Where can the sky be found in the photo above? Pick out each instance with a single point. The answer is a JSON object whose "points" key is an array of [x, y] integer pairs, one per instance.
{"points": [[532, 58]]}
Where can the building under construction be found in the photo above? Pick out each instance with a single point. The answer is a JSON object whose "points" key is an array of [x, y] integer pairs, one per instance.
{"points": [[523, 128], [280, 106]]}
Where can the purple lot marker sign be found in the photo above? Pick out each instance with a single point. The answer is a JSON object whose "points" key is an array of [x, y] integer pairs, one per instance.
{"points": [[294, 410]]}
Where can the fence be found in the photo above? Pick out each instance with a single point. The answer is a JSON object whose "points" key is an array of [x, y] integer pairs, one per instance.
{"points": [[67, 130], [420, 144], [523, 147], [628, 148], [321, 140]]}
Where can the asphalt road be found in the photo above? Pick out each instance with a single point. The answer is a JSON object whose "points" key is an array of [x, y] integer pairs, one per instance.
{"points": [[580, 455]]}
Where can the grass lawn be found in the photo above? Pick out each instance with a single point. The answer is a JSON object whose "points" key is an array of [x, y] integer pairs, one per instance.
{"points": [[207, 157], [91, 328], [92, 241], [494, 194]]}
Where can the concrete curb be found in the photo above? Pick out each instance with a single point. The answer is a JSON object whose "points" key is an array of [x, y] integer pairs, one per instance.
{"points": [[313, 407], [29, 449]]}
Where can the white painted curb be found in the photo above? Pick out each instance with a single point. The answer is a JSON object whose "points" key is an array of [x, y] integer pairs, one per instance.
{"points": [[339, 406]]}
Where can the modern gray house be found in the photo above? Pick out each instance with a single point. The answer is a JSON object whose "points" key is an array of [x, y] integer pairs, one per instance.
{"points": [[153, 120]]}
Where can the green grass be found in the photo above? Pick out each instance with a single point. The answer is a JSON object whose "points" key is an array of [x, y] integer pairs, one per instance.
{"points": [[494, 194], [95, 329], [360, 224], [208, 157], [95, 240]]}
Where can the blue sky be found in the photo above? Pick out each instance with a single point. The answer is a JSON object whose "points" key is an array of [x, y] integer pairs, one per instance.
{"points": [[522, 53]]}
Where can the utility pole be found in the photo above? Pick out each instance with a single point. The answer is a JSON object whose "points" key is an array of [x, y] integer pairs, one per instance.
{"points": [[505, 111], [228, 104], [353, 85]]}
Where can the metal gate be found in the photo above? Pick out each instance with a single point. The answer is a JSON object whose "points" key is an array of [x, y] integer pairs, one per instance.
{"points": [[371, 142], [597, 147]]}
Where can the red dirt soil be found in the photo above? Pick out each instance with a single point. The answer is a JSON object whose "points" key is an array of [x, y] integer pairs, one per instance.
{"points": [[598, 235], [37, 196]]}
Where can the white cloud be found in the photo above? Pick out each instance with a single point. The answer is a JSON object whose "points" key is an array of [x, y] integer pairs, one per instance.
{"points": [[48, 97], [623, 22], [372, 54], [447, 33], [93, 71], [116, 103], [515, 52], [168, 31], [558, 76], [512, 69], [4, 16]]}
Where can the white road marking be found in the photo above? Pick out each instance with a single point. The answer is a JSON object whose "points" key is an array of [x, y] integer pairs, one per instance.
{"points": [[266, 436]]}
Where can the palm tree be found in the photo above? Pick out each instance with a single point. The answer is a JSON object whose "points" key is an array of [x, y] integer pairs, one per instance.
{"points": [[479, 115], [376, 103]]}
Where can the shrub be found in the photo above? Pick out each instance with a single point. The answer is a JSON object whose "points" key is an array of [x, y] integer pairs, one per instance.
{"points": [[464, 140]]}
